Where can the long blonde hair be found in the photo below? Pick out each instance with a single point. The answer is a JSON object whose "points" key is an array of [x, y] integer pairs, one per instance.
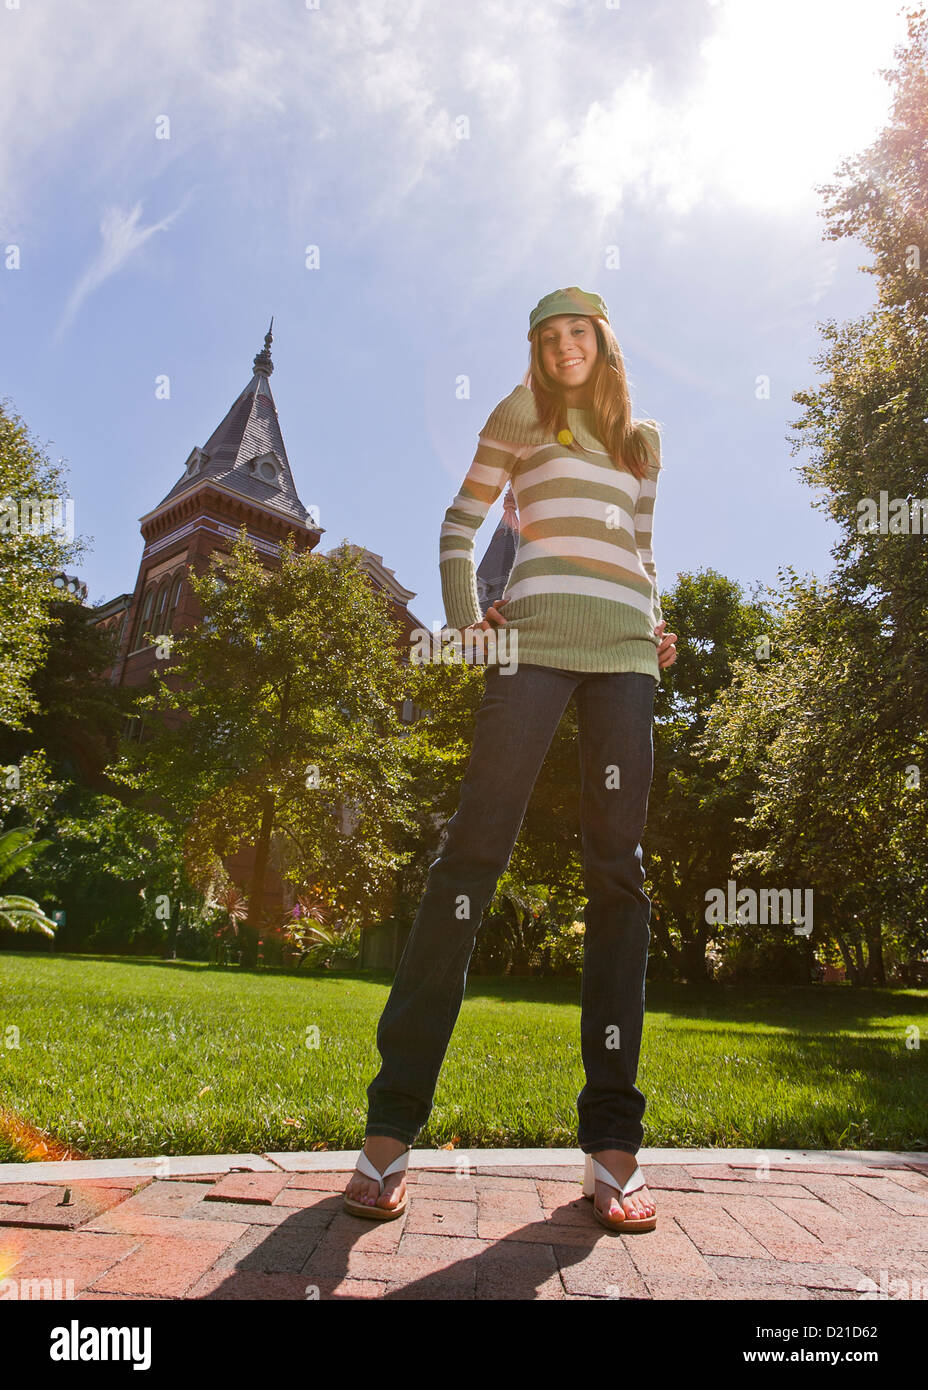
{"points": [[611, 408]]}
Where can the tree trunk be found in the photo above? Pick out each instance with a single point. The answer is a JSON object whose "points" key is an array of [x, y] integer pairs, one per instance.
{"points": [[693, 958], [663, 935], [859, 957], [255, 923], [876, 969], [849, 965], [171, 948]]}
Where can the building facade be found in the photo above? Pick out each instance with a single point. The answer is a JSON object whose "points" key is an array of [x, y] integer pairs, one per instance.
{"points": [[241, 475]]}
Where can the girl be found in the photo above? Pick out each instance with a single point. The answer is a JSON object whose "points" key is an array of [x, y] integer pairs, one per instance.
{"points": [[582, 620]]}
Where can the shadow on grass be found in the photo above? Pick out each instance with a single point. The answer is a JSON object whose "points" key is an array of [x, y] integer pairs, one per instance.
{"points": [[795, 1007]]}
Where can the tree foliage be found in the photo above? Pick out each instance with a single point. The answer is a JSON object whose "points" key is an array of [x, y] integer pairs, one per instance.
{"points": [[30, 555], [275, 725]]}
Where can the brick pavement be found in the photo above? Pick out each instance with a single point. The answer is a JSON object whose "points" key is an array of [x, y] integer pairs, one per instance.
{"points": [[731, 1225]]}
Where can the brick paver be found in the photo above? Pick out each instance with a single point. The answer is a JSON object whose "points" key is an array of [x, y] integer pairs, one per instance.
{"points": [[248, 1187], [799, 1227]]}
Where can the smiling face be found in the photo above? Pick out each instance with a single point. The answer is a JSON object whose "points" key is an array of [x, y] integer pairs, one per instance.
{"points": [[568, 348]]}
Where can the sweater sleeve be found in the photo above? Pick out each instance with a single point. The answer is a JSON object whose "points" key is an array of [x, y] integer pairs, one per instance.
{"points": [[489, 473], [644, 521]]}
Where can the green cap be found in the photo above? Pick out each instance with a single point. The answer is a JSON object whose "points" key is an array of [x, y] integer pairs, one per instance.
{"points": [[570, 301]]}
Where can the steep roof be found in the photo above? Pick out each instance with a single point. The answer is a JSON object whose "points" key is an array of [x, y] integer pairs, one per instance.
{"points": [[495, 567], [246, 451]]}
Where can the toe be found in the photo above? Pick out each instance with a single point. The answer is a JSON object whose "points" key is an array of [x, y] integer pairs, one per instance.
{"points": [[608, 1206], [392, 1196], [639, 1208], [359, 1190]]}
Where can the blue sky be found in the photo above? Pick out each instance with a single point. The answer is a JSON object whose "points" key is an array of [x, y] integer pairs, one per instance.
{"points": [[453, 164]]}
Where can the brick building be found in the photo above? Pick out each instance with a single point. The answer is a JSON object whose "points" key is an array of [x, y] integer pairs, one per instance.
{"points": [[240, 475]]}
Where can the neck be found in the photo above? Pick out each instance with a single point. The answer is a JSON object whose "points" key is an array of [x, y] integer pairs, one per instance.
{"points": [[578, 397]]}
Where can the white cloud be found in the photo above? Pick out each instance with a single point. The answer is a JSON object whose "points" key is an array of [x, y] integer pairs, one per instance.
{"points": [[774, 99], [341, 116], [121, 236]]}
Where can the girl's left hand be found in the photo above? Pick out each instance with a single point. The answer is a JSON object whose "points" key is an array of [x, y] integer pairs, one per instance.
{"points": [[667, 648]]}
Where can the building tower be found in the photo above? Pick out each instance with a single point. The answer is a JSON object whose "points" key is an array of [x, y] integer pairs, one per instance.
{"points": [[240, 475]]}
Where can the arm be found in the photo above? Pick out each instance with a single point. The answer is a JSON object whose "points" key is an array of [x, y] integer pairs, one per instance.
{"points": [[489, 473], [644, 521]]}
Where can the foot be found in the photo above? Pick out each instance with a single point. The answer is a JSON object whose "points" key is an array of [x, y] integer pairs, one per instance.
{"points": [[635, 1205], [381, 1150]]}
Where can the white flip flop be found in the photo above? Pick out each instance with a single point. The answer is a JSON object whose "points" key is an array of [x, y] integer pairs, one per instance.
{"points": [[367, 1169], [595, 1172]]}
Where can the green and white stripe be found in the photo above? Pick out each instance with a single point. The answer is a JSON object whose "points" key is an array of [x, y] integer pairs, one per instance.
{"points": [[583, 589]]}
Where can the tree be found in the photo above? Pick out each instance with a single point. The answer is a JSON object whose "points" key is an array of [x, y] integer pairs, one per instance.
{"points": [[694, 806], [867, 422], [35, 548], [102, 855], [835, 807], [866, 696], [75, 716], [276, 724]]}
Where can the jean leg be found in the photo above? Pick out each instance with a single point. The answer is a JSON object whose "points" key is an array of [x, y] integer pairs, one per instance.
{"points": [[614, 715], [513, 730]]}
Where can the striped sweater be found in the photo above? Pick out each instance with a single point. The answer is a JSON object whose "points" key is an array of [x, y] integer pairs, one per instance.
{"points": [[583, 589]]}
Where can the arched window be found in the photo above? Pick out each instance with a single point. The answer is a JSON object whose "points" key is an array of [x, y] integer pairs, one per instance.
{"points": [[144, 617], [160, 605], [175, 599]]}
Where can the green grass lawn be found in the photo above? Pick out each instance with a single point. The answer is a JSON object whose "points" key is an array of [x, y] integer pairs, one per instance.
{"points": [[123, 1056]]}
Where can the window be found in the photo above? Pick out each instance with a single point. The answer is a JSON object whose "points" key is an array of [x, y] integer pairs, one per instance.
{"points": [[175, 599], [144, 616], [161, 604]]}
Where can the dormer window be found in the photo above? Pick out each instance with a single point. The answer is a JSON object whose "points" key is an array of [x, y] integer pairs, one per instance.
{"points": [[195, 463], [266, 467]]}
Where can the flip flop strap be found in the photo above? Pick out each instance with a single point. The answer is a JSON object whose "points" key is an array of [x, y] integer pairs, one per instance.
{"points": [[365, 1166], [603, 1175]]}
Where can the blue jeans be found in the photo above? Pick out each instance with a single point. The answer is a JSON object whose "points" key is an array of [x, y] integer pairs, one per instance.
{"points": [[515, 724]]}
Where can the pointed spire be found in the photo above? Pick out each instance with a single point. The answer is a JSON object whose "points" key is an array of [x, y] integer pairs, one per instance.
{"points": [[263, 363], [496, 566], [246, 452]]}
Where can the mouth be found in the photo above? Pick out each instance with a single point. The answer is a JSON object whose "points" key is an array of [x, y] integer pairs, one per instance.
{"points": [[570, 364]]}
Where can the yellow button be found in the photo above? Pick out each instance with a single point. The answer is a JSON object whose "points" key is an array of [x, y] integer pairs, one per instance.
{"points": [[564, 437]]}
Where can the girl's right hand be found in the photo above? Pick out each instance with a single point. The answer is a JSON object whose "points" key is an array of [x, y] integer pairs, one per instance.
{"points": [[493, 612]]}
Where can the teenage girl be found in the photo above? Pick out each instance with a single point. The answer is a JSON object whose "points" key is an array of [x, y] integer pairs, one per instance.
{"points": [[582, 620]]}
